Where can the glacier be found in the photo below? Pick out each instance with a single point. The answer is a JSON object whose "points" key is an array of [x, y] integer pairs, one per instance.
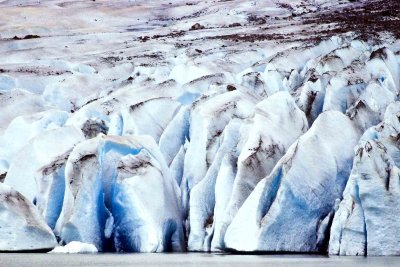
{"points": [[222, 126]]}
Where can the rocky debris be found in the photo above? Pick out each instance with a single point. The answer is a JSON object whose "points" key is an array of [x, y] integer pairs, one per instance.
{"points": [[197, 26], [26, 37]]}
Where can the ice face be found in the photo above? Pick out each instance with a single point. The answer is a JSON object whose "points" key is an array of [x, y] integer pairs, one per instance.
{"points": [[364, 223], [285, 210], [84, 213], [209, 117], [22, 226], [277, 123], [202, 196], [145, 208], [120, 196]]}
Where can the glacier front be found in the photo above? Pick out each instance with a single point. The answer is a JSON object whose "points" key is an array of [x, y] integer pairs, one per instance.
{"points": [[230, 126]]}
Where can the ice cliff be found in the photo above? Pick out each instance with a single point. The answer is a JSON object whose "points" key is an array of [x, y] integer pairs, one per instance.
{"points": [[366, 221]]}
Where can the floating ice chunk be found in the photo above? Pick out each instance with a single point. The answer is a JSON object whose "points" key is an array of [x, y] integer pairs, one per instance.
{"points": [[21, 225], [75, 247]]}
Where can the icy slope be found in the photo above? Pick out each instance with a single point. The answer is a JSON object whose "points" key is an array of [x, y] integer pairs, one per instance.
{"points": [[146, 126]]}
